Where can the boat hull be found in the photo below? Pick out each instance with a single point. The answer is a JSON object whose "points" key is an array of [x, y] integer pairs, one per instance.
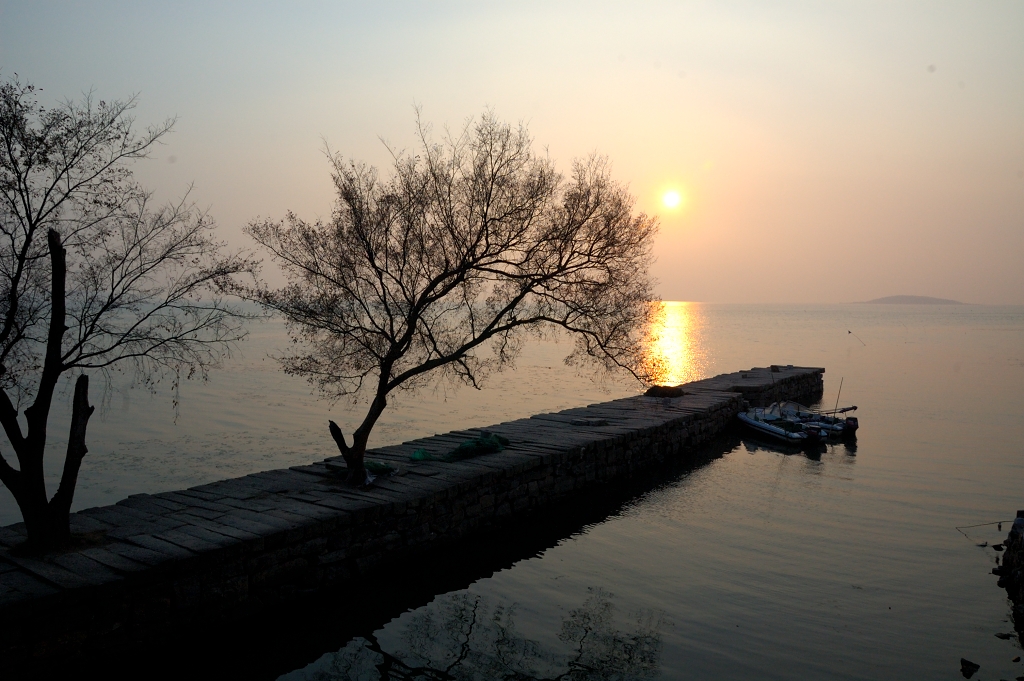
{"points": [[777, 433]]}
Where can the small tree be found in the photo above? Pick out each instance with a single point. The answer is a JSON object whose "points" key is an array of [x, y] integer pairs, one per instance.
{"points": [[90, 276], [475, 240]]}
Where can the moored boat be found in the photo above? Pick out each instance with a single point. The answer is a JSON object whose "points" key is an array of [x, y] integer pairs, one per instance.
{"points": [[829, 421], [780, 428]]}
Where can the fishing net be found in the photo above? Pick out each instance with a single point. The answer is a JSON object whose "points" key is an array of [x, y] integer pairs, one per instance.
{"points": [[487, 443], [378, 467]]}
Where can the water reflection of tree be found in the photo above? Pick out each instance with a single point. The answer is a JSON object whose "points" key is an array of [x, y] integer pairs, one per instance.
{"points": [[461, 637]]}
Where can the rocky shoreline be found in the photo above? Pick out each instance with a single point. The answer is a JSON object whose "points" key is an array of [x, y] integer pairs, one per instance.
{"points": [[1011, 572]]}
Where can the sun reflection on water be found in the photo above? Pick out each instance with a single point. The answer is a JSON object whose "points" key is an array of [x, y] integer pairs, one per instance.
{"points": [[675, 344]]}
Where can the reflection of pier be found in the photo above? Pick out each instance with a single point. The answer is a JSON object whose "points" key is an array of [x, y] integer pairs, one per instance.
{"points": [[223, 549]]}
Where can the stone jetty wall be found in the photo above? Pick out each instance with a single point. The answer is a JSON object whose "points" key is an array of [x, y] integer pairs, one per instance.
{"points": [[221, 550]]}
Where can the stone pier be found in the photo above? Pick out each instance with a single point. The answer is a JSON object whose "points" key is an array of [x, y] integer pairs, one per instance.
{"points": [[220, 550]]}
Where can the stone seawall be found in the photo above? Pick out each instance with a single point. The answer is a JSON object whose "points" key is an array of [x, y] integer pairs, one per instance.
{"points": [[228, 548]]}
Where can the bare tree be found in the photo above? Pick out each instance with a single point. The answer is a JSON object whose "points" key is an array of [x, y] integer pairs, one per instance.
{"points": [[443, 267], [90, 276]]}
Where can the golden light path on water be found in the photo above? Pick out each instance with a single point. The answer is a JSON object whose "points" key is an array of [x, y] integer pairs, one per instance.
{"points": [[675, 345]]}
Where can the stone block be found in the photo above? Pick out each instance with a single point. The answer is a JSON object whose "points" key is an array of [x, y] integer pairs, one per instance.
{"points": [[83, 524], [18, 587], [314, 546], [229, 591], [138, 554], [189, 540], [332, 557], [115, 561], [367, 562], [299, 527], [156, 545], [67, 571], [207, 491], [219, 540], [187, 592]]}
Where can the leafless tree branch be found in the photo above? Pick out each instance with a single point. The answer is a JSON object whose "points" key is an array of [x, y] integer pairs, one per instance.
{"points": [[470, 243], [92, 275]]}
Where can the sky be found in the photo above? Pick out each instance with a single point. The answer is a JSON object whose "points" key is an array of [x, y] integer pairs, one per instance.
{"points": [[824, 152]]}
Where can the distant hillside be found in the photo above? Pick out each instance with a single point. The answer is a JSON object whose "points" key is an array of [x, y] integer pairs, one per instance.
{"points": [[914, 300]]}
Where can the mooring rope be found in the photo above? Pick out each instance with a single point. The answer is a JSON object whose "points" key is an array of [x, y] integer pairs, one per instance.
{"points": [[961, 528], [995, 522]]}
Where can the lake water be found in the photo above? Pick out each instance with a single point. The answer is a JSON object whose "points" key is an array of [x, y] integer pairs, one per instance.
{"points": [[756, 564]]}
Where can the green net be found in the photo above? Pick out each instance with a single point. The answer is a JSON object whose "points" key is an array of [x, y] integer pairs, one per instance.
{"points": [[378, 467], [422, 455], [487, 443]]}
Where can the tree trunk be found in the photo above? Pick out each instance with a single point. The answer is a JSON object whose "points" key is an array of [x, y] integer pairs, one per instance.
{"points": [[35, 511], [354, 455], [47, 522], [60, 504]]}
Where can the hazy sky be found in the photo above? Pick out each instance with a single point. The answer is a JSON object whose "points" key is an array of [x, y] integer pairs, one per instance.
{"points": [[827, 152]]}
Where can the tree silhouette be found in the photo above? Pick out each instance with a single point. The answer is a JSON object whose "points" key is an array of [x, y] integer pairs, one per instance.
{"points": [[91, 276], [444, 268]]}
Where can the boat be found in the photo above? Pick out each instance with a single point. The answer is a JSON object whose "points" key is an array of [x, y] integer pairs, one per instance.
{"points": [[772, 423], [829, 421]]}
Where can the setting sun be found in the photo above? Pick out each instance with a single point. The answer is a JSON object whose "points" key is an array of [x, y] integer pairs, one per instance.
{"points": [[671, 199]]}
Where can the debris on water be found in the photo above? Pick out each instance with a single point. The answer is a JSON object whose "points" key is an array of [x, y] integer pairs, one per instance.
{"points": [[968, 668], [1005, 637], [1000, 527], [982, 544], [1017, 659], [997, 547]]}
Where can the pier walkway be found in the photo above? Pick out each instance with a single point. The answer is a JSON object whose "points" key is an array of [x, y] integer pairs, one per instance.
{"points": [[217, 550]]}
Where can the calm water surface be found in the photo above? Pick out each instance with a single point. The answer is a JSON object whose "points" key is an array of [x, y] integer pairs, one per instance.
{"points": [[758, 564]]}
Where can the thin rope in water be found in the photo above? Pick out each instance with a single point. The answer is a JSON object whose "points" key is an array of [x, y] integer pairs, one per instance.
{"points": [[995, 522], [961, 528]]}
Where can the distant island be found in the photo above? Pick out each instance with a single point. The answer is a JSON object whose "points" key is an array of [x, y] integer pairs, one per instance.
{"points": [[913, 300]]}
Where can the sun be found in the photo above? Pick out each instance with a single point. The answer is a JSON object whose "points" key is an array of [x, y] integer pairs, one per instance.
{"points": [[671, 199]]}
